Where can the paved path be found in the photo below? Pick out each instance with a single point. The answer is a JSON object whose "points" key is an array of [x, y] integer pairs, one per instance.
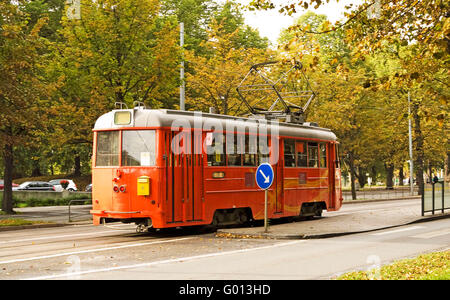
{"points": [[352, 218]]}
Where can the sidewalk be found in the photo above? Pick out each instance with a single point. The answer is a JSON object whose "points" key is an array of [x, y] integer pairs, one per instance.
{"points": [[352, 218], [52, 216]]}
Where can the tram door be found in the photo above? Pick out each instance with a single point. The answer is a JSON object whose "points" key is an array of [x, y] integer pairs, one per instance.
{"points": [[277, 163], [334, 175], [185, 167]]}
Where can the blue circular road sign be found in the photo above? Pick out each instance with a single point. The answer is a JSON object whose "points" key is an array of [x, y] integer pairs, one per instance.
{"points": [[264, 176]]}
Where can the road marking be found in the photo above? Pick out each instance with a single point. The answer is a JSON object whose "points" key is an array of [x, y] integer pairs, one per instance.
{"points": [[181, 259], [429, 235], [90, 251], [398, 230], [57, 237]]}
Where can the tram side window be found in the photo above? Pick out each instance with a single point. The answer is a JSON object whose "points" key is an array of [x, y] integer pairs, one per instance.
{"points": [[138, 148], [234, 155], [313, 155], [107, 149], [251, 146], [289, 153], [215, 149], [337, 160], [323, 155], [302, 154], [263, 149]]}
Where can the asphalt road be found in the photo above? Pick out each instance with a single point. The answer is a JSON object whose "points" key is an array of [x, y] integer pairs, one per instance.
{"points": [[117, 252]]}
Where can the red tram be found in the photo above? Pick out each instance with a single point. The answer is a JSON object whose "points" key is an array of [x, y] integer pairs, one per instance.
{"points": [[156, 168]]}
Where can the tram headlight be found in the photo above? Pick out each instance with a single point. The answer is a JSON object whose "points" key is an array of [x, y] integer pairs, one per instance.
{"points": [[123, 188], [116, 189]]}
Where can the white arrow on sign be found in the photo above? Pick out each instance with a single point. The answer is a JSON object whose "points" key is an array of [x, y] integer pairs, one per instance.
{"points": [[266, 178]]}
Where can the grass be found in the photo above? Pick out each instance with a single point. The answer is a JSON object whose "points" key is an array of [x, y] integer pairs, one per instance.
{"points": [[432, 266], [19, 222]]}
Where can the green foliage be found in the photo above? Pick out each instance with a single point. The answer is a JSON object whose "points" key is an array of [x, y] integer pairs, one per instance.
{"points": [[196, 15], [231, 19], [213, 78]]}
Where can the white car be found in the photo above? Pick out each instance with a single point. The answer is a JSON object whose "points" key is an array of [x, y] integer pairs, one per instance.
{"points": [[57, 184]]}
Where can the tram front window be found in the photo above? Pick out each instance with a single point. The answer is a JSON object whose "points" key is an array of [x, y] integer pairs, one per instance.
{"points": [[138, 148], [107, 149]]}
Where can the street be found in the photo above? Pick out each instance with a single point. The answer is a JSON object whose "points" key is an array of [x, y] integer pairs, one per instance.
{"points": [[117, 252]]}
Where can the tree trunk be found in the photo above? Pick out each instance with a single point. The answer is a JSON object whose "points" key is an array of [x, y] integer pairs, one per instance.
{"points": [[36, 169], [373, 174], [352, 174], [447, 167], [418, 163], [430, 172], [401, 175], [7, 203], [77, 171], [225, 104], [389, 175], [362, 177]]}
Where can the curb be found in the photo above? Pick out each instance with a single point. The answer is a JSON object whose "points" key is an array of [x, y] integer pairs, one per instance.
{"points": [[39, 226], [20, 227], [306, 236], [380, 200]]}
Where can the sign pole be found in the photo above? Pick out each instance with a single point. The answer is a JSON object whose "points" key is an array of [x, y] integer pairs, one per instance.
{"points": [[266, 223], [411, 163], [183, 83], [264, 179]]}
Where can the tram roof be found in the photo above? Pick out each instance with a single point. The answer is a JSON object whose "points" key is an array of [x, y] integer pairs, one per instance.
{"points": [[142, 118]]}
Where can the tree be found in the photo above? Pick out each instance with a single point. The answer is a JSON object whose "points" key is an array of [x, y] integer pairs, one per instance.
{"points": [[404, 48], [196, 15], [52, 10], [373, 21], [119, 51], [125, 48], [214, 77], [232, 21], [22, 92]]}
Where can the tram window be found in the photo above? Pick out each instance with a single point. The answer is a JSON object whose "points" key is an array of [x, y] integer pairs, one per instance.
{"points": [[107, 149], [234, 156], [302, 154], [138, 148], [251, 144], [249, 159], [289, 153], [263, 150], [313, 155], [337, 160], [216, 149], [323, 155]]}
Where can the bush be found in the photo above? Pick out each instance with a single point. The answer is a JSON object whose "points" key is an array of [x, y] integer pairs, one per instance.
{"points": [[35, 202]]}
